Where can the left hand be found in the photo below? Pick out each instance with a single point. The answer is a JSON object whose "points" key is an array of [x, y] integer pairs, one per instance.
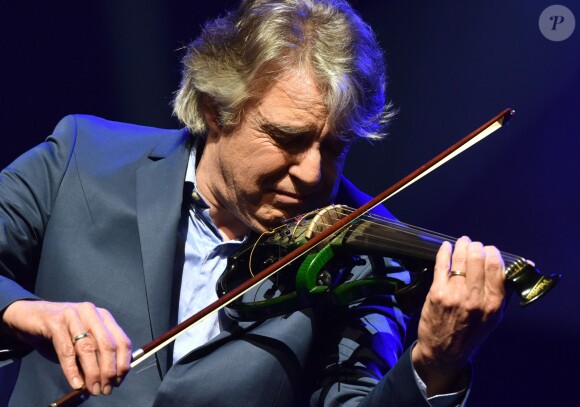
{"points": [[99, 360], [459, 313]]}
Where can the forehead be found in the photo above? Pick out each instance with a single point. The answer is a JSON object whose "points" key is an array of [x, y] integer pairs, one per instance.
{"points": [[294, 100]]}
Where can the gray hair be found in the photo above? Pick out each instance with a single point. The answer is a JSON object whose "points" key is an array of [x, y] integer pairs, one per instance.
{"points": [[238, 56]]}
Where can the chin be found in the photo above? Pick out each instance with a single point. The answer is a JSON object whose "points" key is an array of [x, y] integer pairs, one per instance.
{"points": [[272, 219]]}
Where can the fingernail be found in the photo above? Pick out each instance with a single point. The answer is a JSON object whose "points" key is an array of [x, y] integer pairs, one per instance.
{"points": [[107, 389], [119, 380], [96, 388], [77, 382]]}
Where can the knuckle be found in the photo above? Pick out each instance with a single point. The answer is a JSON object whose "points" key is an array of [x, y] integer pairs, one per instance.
{"points": [[67, 351], [458, 257], [107, 344], [494, 259], [473, 305], [109, 373], [442, 266], [87, 306], [490, 310], [492, 306], [475, 245], [494, 267], [121, 374], [86, 346], [52, 326], [123, 369], [68, 312], [105, 313], [436, 297], [471, 308], [69, 366], [443, 299], [475, 252], [125, 345]]}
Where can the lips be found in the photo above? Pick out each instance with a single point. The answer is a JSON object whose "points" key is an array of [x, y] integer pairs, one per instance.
{"points": [[289, 198]]}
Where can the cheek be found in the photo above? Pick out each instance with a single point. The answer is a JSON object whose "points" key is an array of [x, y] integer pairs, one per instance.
{"points": [[259, 172], [267, 165], [240, 159]]}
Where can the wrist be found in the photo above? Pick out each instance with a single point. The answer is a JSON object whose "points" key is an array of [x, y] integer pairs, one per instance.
{"points": [[10, 314], [14, 314], [440, 375]]}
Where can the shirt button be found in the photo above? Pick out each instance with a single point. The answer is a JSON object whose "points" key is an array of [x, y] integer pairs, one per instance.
{"points": [[195, 196]]}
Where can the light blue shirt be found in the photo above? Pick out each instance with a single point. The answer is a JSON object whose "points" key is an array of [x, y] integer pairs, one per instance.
{"points": [[206, 256]]}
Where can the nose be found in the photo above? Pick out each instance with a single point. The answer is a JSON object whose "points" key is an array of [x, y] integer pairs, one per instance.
{"points": [[307, 166]]}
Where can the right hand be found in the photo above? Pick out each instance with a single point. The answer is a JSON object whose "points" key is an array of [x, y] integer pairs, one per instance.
{"points": [[459, 313], [99, 361]]}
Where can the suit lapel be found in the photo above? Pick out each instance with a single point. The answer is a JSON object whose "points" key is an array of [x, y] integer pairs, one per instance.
{"points": [[159, 199]]}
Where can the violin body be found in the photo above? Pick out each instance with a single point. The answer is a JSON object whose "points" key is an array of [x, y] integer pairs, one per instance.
{"points": [[321, 277]]}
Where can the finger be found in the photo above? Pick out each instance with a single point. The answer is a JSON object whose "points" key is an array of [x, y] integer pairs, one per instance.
{"points": [[475, 274], [459, 260], [442, 262], [494, 277], [87, 359], [104, 346], [66, 353], [123, 343]]}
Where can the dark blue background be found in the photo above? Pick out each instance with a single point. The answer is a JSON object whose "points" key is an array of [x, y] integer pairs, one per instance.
{"points": [[452, 66]]}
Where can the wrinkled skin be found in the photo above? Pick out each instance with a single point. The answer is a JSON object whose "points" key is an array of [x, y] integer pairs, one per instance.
{"points": [[459, 312], [280, 161]]}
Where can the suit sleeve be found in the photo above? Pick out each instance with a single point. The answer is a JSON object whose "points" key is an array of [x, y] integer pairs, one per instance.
{"points": [[370, 368], [28, 188], [368, 349]]}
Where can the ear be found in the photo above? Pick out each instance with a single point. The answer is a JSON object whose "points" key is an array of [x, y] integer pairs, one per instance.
{"points": [[210, 114]]}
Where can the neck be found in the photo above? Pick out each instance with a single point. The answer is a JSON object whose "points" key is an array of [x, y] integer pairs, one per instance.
{"points": [[228, 224]]}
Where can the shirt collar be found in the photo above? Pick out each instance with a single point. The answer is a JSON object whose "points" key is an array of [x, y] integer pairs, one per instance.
{"points": [[190, 176]]}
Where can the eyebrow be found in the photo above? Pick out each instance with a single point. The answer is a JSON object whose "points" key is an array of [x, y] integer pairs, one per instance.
{"points": [[282, 130]]}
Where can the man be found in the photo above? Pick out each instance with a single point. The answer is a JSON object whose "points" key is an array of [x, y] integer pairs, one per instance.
{"points": [[100, 243]]}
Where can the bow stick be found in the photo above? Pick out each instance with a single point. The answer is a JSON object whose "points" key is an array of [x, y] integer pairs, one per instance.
{"points": [[76, 397]]}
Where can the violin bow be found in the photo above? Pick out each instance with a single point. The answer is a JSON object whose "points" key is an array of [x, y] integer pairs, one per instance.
{"points": [[77, 396]]}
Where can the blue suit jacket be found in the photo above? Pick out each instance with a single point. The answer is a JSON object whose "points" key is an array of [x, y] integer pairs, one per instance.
{"points": [[92, 215]]}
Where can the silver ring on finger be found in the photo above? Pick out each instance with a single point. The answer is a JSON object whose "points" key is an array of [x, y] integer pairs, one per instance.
{"points": [[80, 336], [457, 273]]}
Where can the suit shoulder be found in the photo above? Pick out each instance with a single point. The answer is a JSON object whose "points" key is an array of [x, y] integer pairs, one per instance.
{"points": [[102, 127], [94, 137]]}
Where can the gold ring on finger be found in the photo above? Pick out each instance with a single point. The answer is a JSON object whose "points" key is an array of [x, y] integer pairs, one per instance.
{"points": [[80, 336], [457, 273]]}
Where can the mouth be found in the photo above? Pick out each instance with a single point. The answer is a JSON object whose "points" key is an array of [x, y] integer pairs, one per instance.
{"points": [[289, 198]]}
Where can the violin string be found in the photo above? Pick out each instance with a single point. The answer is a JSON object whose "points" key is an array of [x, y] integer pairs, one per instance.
{"points": [[381, 240], [402, 228], [423, 232]]}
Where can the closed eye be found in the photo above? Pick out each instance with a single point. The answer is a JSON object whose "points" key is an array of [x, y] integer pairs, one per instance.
{"points": [[289, 137]]}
